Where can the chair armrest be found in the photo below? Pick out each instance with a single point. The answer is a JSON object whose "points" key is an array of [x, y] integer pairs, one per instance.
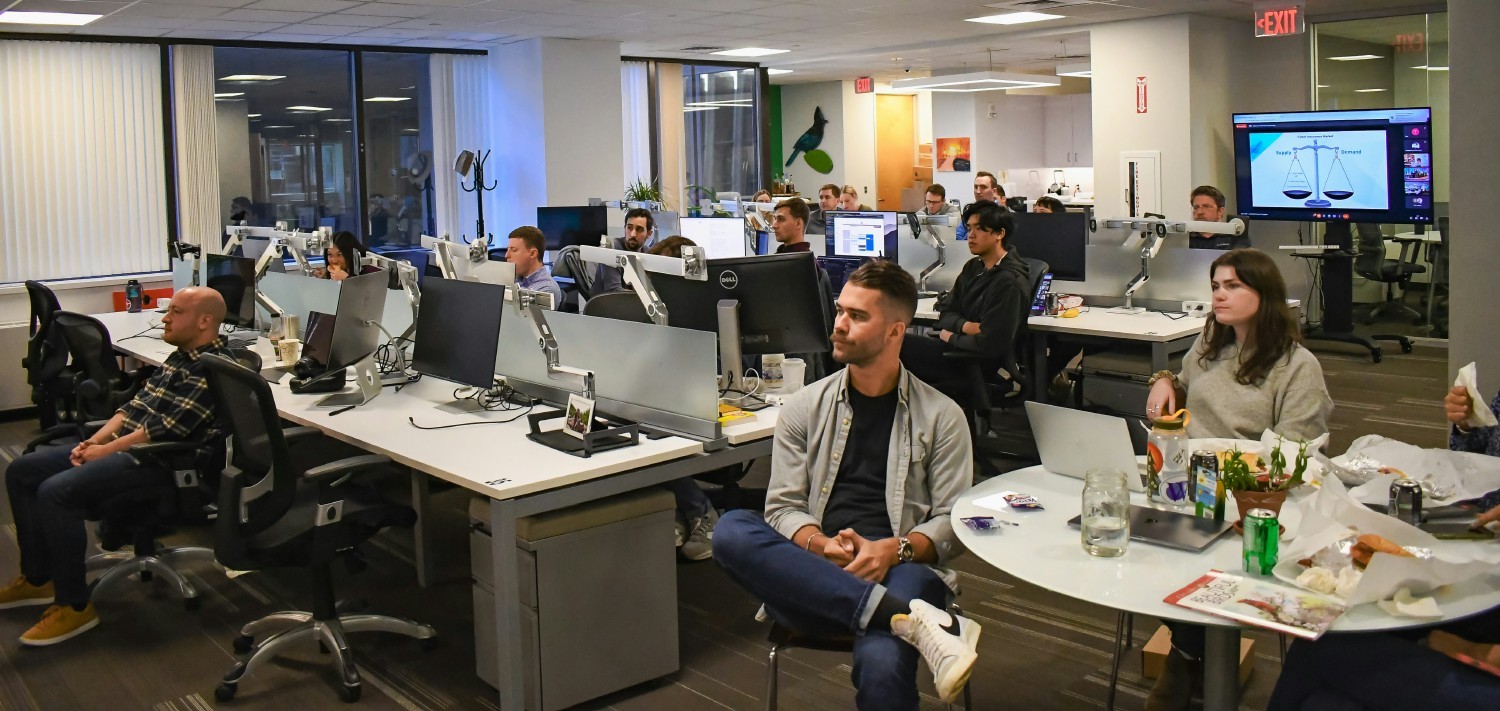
{"points": [[160, 449], [291, 434], [332, 472]]}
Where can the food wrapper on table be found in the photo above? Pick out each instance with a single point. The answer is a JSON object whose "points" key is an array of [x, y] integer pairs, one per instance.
{"points": [[1331, 519], [1479, 413], [1373, 462]]}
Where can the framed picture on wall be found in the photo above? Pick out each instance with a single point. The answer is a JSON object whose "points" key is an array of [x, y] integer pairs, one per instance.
{"points": [[953, 155]]}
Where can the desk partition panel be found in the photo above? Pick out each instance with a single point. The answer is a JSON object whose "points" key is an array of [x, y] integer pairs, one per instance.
{"points": [[297, 294]]}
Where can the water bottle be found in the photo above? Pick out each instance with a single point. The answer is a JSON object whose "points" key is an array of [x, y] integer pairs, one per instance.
{"points": [[1167, 461], [133, 296], [1105, 519]]}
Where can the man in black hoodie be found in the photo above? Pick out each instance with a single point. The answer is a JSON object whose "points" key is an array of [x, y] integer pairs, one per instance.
{"points": [[983, 312]]}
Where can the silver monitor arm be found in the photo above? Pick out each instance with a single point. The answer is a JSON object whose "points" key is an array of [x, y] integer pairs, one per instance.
{"points": [[1151, 234], [406, 274], [930, 223], [693, 264], [628, 204], [530, 306]]}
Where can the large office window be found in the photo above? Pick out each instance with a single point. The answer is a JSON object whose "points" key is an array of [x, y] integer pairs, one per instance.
{"points": [[721, 127], [286, 137], [398, 147]]}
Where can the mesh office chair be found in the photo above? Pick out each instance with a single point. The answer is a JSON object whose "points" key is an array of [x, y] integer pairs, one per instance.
{"points": [[99, 385], [1370, 263], [570, 264], [46, 359], [621, 305], [275, 512]]}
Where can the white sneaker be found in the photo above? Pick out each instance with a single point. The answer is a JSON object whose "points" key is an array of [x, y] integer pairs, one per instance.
{"points": [[700, 541], [948, 644]]}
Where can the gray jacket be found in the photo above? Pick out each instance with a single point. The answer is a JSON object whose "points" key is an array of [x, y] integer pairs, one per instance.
{"points": [[929, 465]]}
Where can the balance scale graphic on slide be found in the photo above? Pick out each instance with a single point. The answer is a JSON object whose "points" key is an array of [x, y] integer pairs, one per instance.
{"points": [[1337, 186]]}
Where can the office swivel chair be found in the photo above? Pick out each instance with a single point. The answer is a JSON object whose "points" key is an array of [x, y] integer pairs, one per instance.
{"points": [[46, 359], [275, 512], [569, 263], [1370, 263], [99, 385], [622, 306]]}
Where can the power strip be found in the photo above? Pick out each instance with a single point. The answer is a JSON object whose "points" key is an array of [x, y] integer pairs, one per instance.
{"points": [[1195, 308]]}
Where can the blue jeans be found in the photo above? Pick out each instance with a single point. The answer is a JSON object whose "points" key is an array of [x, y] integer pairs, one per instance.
{"points": [[1351, 671], [808, 593], [691, 501], [48, 500]]}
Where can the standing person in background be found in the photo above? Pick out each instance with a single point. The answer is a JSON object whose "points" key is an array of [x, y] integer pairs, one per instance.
{"points": [[380, 216]]}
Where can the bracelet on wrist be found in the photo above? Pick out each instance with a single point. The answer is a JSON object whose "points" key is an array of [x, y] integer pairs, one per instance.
{"points": [[807, 546], [1162, 374]]}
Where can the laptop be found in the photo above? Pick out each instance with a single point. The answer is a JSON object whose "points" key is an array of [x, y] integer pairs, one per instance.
{"points": [[1183, 531], [1059, 432]]}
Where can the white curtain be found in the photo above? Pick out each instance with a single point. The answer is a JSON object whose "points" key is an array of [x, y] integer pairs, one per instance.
{"points": [[460, 100], [199, 205], [635, 102], [82, 161], [444, 151]]}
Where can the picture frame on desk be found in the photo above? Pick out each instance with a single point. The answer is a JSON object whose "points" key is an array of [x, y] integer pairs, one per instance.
{"points": [[580, 418]]}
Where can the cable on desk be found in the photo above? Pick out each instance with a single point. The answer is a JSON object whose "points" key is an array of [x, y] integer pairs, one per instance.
{"points": [[413, 421], [153, 327], [391, 357]]}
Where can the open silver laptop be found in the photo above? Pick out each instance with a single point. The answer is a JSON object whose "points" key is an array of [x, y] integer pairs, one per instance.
{"points": [[1071, 442]]}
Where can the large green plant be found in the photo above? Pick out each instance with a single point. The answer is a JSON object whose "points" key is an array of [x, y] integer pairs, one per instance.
{"points": [[641, 191]]}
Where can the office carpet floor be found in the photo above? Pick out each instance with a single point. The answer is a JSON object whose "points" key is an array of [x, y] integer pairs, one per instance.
{"points": [[1038, 650]]}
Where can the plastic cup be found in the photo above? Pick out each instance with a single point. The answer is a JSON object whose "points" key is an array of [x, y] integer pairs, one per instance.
{"points": [[792, 372]]}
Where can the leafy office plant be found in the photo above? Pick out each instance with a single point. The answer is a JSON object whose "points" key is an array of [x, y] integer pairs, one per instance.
{"points": [[693, 206], [641, 191]]}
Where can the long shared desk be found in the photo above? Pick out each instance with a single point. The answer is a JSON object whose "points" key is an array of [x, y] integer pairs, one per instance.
{"points": [[519, 477]]}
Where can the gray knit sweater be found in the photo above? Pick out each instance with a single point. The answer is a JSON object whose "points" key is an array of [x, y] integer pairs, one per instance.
{"points": [[1292, 400]]}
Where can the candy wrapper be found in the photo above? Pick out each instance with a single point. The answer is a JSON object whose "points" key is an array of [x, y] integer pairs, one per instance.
{"points": [[1022, 501], [1008, 501]]}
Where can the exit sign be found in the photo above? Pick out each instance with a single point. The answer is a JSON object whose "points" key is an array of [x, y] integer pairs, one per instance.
{"points": [[864, 85], [1279, 19]]}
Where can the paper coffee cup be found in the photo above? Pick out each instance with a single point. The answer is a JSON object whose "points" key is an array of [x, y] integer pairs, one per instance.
{"points": [[771, 369], [792, 372], [288, 350]]}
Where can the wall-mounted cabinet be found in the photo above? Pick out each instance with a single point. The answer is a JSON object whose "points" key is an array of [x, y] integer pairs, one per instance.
{"points": [[1070, 130]]}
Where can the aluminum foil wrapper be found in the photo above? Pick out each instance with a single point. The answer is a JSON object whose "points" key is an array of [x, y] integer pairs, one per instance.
{"points": [[1360, 469], [1339, 555]]}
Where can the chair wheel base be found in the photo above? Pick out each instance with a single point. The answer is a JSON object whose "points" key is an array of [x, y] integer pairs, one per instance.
{"points": [[244, 643], [225, 692], [192, 603], [349, 694]]}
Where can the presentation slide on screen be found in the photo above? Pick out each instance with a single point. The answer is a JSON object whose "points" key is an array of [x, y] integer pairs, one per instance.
{"points": [[1344, 170], [859, 236]]}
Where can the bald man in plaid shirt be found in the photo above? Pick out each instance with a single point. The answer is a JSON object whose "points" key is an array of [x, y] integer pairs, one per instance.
{"points": [[51, 488]]}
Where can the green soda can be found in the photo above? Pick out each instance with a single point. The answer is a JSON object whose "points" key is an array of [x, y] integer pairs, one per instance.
{"points": [[1262, 533]]}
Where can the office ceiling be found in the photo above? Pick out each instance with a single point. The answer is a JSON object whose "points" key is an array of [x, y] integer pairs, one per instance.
{"points": [[828, 39]]}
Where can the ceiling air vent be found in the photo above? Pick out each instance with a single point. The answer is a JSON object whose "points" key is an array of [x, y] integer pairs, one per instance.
{"points": [[1041, 5], [701, 50]]}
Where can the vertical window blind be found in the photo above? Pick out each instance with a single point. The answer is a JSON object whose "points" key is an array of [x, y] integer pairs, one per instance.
{"points": [[82, 160]]}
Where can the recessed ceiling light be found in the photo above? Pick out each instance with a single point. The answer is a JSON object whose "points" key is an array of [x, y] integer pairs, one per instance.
{"points": [[690, 109], [1076, 69], [1015, 18], [19, 17], [977, 81], [408, 88], [308, 108], [254, 116], [389, 98], [750, 52], [1322, 86], [229, 94], [252, 77], [410, 130], [1430, 68], [778, 72], [1355, 57], [277, 127], [337, 120], [1369, 91]]}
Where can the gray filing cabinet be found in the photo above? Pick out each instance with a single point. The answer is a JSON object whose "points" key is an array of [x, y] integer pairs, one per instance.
{"points": [[598, 595], [1115, 380]]}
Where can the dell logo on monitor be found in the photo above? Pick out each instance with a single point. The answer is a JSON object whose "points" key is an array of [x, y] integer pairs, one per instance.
{"points": [[728, 279]]}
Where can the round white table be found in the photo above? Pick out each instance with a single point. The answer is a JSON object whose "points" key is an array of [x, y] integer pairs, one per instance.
{"points": [[1045, 551]]}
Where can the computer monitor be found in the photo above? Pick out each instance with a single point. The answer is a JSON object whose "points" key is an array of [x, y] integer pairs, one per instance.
{"points": [[780, 303], [317, 337], [568, 226], [1059, 239], [356, 330], [234, 279], [458, 331], [866, 235], [720, 237], [838, 270]]}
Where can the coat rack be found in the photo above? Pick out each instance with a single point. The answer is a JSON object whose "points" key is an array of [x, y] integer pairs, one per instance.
{"points": [[465, 164]]}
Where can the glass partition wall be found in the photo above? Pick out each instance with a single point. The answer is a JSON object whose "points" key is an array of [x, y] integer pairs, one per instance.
{"points": [[721, 127]]}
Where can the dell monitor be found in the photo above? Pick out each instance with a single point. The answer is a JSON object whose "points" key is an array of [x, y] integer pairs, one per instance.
{"points": [[780, 303], [1060, 239], [458, 333], [1367, 165], [866, 235], [234, 279], [720, 237], [569, 226]]}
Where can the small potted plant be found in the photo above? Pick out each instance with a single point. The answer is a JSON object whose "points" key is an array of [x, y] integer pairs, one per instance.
{"points": [[1265, 488], [642, 191]]}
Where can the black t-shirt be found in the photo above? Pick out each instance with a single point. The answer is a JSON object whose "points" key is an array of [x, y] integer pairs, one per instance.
{"points": [[858, 498]]}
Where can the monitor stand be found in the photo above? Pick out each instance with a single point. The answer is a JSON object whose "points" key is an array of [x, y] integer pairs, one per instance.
{"points": [[367, 384], [465, 406], [731, 356]]}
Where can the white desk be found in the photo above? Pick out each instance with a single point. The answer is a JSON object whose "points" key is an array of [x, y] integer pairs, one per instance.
{"points": [[521, 478], [1046, 552]]}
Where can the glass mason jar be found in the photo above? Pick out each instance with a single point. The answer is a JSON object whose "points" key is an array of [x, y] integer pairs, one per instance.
{"points": [[1105, 521]]}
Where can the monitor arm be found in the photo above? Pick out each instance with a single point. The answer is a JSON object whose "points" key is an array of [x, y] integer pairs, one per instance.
{"points": [[1150, 236], [930, 222], [406, 275], [628, 204], [529, 304], [693, 264]]}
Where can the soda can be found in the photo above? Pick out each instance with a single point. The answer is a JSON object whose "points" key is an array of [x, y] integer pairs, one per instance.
{"points": [[1406, 501], [1207, 494], [1262, 533]]}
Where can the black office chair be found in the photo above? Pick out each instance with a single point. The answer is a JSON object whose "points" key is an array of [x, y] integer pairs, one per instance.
{"points": [[46, 359], [1370, 263], [99, 385], [621, 305], [571, 265], [275, 512]]}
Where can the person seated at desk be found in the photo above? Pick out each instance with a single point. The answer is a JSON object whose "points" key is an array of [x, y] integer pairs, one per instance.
{"points": [[761, 196], [672, 246], [866, 466], [525, 250], [345, 250], [51, 489], [828, 201], [1208, 206], [789, 226], [1246, 373], [639, 226], [983, 311], [937, 201], [241, 211], [1048, 205], [986, 188], [849, 200]]}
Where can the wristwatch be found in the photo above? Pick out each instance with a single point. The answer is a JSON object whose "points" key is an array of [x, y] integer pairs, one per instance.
{"points": [[904, 551]]}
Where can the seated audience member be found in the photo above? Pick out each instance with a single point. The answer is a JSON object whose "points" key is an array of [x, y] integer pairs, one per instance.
{"points": [[51, 489], [527, 244], [937, 201], [986, 188], [1481, 440], [1246, 373], [671, 246], [983, 311], [639, 226], [1047, 204], [851, 541], [828, 201], [789, 226], [344, 256], [241, 210], [761, 196], [849, 200], [1208, 206]]}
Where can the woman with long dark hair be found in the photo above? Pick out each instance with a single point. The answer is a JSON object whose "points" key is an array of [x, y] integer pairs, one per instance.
{"points": [[1246, 373], [341, 258]]}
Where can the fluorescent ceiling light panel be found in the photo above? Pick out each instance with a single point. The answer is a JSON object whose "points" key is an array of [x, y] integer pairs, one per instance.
{"points": [[1430, 68], [976, 81], [751, 52], [1076, 69], [1355, 57], [389, 98], [1014, 18], [338, 120], [20, 17], [278, 127], [308, 108], [778, 72], [690, 109], [1368, 91], [229, 94], [252, 115], [252, 77]]}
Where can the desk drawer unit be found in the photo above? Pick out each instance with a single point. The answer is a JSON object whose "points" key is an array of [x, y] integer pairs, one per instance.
{"points": [[1116, 380], [598, 590]]}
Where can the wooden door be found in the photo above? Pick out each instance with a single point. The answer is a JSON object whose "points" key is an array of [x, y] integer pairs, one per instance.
{"points": [[895, 148]]}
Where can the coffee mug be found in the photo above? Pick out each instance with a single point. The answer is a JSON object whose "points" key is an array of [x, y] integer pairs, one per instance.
{"points": [[288, 350], [792, 372], [771, 369]]}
